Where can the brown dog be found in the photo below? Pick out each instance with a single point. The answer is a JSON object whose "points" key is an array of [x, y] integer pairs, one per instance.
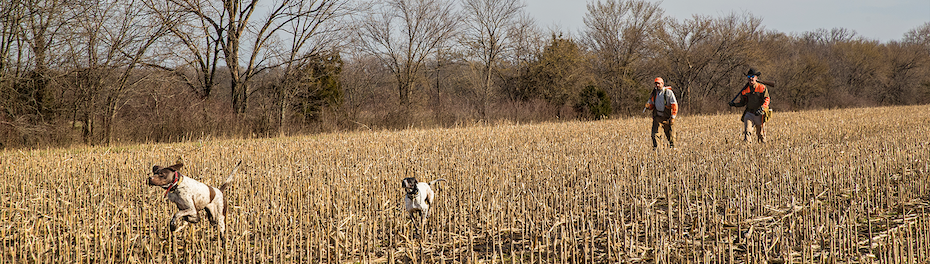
{"points": [[192, 196]]}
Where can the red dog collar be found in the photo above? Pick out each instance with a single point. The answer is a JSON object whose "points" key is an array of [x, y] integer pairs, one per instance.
{"points": [[174, 183]]}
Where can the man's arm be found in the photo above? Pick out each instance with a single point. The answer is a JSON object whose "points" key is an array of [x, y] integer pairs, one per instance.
{"points": [[650, 104], [741, 102], [741, 95], [765, 104]]}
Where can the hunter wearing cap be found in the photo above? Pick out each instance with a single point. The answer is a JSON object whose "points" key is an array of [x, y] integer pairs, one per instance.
{"points": [[664, 108], [755, 96]]}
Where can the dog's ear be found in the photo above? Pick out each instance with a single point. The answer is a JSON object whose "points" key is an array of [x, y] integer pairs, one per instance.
{"points": [[176, 167], [155, 169], [408, 182]]}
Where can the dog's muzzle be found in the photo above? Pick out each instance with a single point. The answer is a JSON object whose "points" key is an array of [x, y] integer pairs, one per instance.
{"points": [[151, 183]]}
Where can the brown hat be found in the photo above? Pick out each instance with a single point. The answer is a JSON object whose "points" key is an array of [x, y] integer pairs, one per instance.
{"points": [[753, 71]]}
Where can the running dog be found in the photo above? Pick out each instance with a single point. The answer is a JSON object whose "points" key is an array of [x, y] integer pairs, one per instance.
{"points": [[419, 196], [192, 196]]}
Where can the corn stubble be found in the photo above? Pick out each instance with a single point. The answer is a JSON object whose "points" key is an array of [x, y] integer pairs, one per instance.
{"points": [[842, 186]]}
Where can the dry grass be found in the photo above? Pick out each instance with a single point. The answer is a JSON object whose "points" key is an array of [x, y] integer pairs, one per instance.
{"points": [[830, 186]]}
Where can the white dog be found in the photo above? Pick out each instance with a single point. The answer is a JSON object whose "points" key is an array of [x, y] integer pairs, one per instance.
{"points": [[192, 196], [419, 196]]}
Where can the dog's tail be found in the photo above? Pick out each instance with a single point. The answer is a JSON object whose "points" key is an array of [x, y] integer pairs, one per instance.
{"points": [[230, 178], [436, 180]]}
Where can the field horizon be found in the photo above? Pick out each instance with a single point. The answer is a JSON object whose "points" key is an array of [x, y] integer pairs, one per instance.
{"points": [[846, 185]]}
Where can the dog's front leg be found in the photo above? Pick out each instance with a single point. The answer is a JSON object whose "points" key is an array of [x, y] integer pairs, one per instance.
{"points": [[423, 219], [185, 218], [415, 216], [174, 225], [187, 212], [190, 213]]}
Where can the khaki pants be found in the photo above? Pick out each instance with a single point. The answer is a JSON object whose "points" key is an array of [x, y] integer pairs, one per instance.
{"points": [[666, 124], [751, 121]]}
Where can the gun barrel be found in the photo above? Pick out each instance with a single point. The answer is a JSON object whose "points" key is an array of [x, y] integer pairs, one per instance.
{"points": [[769, 83]]}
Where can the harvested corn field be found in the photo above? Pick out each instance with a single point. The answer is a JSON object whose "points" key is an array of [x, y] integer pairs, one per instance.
{"points": [[848, 186]]}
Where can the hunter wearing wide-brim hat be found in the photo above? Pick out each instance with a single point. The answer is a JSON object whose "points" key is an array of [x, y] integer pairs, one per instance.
{"points": [[755, 96]]}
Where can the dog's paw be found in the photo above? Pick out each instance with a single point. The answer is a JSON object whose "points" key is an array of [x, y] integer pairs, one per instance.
{"points": [[192, 219]]}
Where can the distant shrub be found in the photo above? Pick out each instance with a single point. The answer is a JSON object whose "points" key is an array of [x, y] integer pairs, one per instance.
{"points": [[593, 103]]}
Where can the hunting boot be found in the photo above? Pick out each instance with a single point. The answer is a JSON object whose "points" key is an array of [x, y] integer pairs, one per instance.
{"points": [[761, 135]]}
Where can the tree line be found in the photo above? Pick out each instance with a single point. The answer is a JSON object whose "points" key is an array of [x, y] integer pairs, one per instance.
{"points": [[108, 71]]}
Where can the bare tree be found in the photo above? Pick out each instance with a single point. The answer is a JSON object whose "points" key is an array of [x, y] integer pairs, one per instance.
{"points": [[906, 62], [194, 53], [527, 40], [829, 37], [403, 34], [489, 22], [919, 36], [360, 75], [315, 39], [702, 55], [11, 15], [32, 33], [41, 28], [805, 77], [619, 32], [112, 40], [245, 42]]}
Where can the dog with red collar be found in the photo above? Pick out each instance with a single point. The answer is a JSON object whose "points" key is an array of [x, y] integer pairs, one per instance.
{"points": [[191, 196]]}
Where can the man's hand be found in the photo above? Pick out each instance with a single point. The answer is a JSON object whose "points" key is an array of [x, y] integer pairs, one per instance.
{"points": [[731, 104], [671, 121]]}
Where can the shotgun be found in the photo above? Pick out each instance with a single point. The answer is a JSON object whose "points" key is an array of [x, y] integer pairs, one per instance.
{"points": [[766, 83]]}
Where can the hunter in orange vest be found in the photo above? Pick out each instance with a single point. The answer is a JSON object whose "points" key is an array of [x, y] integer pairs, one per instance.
{"points": [[755, 96], [664, 108]]}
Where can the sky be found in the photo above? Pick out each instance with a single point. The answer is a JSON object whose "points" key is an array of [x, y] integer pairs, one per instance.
{"points": [[882, 20]]}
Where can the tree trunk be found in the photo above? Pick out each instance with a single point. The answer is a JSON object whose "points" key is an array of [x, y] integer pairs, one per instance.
{"points": [[485, 105], [239, 96], [108, 120], [237, 88], [87, 132], [403, 91], [285, 101]]}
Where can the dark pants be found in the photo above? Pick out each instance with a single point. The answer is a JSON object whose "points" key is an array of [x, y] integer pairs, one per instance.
{"points": [[666, 124]]}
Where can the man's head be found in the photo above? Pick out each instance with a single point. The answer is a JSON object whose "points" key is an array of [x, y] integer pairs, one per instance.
{"points": [[753, 75], [659, 83]]}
